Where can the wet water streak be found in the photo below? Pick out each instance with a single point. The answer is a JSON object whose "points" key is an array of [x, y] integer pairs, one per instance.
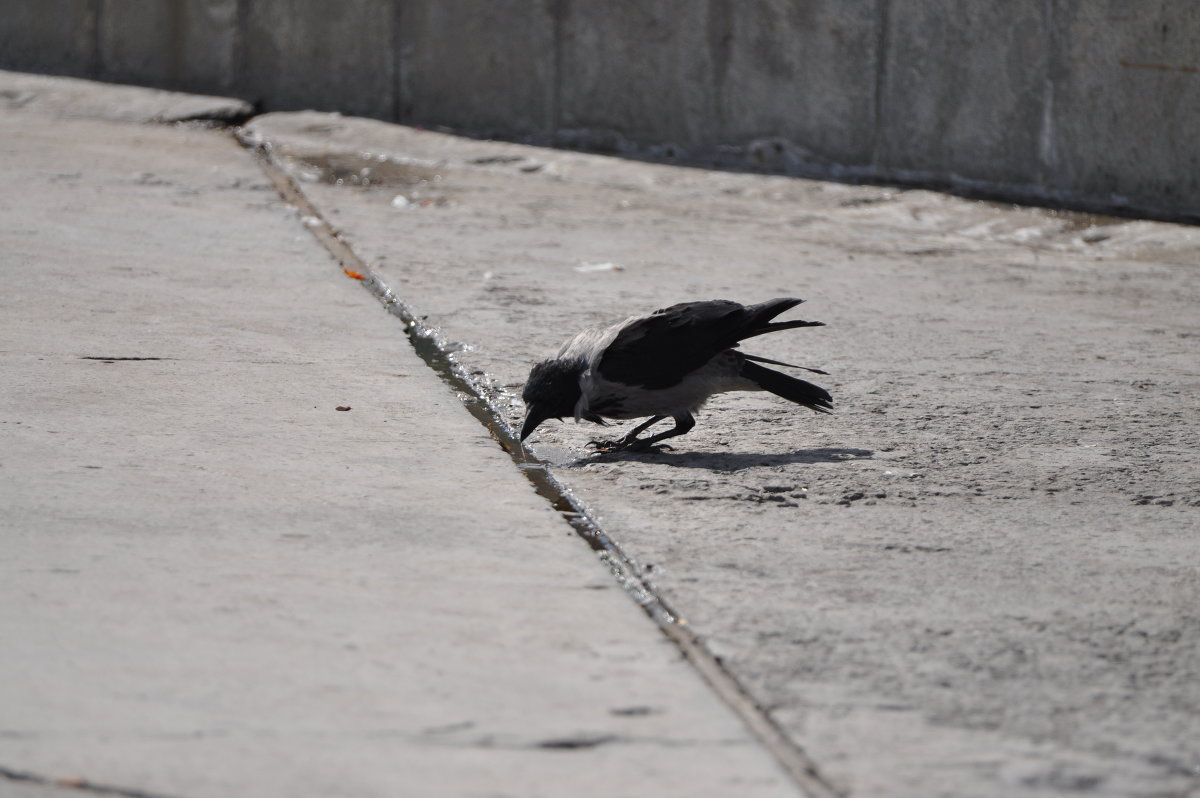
{"points": [[438, 356]]}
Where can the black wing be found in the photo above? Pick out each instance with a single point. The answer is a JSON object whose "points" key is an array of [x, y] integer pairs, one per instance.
{"points": [[659, 350]]}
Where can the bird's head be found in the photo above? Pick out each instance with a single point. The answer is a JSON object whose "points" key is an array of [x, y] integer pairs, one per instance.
{"points": [[552, 391]]}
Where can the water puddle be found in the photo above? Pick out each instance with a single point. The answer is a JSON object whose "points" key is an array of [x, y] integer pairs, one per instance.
{"points": [[1067, 221], [362, 170], [1091, 228]]}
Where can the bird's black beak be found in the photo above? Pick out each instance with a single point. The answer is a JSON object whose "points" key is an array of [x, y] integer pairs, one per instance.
{"points": [[534, 416]]}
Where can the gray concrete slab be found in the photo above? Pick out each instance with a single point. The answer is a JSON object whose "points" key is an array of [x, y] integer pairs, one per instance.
{"points": [[313, 54], [988, 123], [815, 88], [180, 44], [506, 51], [978, 578], [51, 36], [66, 98], [217, 583], [1125, 80], [641, 71]]}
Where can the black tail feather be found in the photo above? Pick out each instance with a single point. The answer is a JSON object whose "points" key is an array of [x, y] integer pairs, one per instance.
{"points": [[760, 359], [804, 393]]}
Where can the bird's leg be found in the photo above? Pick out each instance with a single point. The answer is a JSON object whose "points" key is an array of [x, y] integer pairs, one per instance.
{"points": [[631, 442], [628, 440], [683, 423]]}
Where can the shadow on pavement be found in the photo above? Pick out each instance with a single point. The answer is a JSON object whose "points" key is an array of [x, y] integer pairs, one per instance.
{"points": [[732, 461]]}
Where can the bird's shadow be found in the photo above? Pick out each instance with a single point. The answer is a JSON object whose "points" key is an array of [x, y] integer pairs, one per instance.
{"points": [[731, 461]]}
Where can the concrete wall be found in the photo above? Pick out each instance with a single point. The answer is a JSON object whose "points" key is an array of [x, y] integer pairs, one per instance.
{"points": [[1094, 103]]}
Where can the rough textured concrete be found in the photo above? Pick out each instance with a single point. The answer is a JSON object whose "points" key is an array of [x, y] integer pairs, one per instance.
{"points": [[986, 123], [314, 54], [641, 70], [978, 577], [183, 44], [214, 583], [815, 87], [50, 36], [88, 100], [1126, 81], [491, 67], [1075, 102]]}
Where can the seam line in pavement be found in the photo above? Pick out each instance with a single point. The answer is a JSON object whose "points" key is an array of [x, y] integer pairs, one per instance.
{"points": [[436, 353], [75, 783]]}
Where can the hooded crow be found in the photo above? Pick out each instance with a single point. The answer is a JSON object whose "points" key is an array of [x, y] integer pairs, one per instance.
{"points": [[666, 364]]}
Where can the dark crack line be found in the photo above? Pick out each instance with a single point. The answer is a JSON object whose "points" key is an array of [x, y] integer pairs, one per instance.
{"points": [[578, 743], [438, 355], [76, 783]]}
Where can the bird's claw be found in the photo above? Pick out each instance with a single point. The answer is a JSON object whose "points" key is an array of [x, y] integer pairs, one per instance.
{"points": [[635, 445]]}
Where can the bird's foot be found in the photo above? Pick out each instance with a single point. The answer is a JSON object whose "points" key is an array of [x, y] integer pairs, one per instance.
{"points": [[629, 445], [608, 446]]}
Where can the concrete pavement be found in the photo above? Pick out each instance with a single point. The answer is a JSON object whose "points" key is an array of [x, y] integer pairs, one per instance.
{"points": [[977, 579], [253, 546]]}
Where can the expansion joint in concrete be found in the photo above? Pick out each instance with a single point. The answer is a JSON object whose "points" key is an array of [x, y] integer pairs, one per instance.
{"points": [[77, 783]]}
